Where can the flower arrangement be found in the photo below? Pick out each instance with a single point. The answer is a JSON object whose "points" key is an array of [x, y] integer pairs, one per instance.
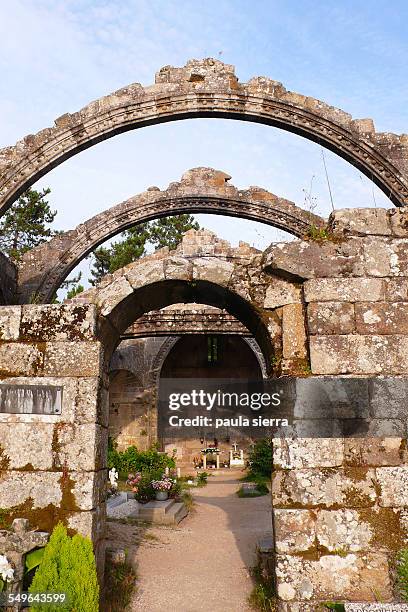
{"points": [[165, 484], [6, 571], [133, 481]]}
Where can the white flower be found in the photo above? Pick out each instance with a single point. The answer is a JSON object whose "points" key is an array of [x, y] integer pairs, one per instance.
{"points": [[6, 570]]}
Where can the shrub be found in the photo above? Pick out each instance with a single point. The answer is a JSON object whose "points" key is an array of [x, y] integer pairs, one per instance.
{"points": [[260, 458], [402, 571], [202, 478], [68, 566], [133, 460]]}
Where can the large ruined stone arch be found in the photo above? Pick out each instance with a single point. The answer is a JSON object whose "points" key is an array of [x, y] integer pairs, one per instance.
{"points": [[191, 274], [207, 88], [201, 190]]}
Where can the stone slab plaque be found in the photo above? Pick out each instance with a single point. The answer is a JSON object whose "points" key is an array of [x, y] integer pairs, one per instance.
{"points": [[30, 399]]}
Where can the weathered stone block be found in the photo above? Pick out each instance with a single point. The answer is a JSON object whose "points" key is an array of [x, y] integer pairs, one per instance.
{"points": [[28, 446], [301, 579], [40, 323], [10, 317], [324, 488], [89, 523], [294, 530], [293, 332], [389, 397], [381, 318], [360, 221], [359, 354], [42, 488], [380, 257], [307, 453], [110, 296], [344, 290], [213, 270], [375, 451], [178, 268], [146, 272], [395, 289], [72, 359], [18, 359], [399, 222], [310, 259], [92, 402], [281, 292], [89, 488], [81, 447], [393, 483], [331, 318], [342, 530]]}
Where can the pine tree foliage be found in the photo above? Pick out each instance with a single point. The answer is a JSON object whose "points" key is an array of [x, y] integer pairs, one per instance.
{"points": [[24, 225], [167, 231], [68, 566]]}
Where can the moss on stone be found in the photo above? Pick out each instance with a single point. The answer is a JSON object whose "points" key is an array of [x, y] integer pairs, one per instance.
{"points": [[386, 526]]}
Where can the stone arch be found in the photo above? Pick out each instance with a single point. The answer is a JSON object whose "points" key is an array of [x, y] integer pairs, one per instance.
{"points": [[182, 276], [208, 88], [201, 190]]}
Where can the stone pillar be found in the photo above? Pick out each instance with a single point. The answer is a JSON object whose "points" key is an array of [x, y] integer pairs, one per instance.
{"points": [[52, 466]]}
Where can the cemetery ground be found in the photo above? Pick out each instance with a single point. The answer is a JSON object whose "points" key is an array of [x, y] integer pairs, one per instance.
{"points": [[205, 562]]}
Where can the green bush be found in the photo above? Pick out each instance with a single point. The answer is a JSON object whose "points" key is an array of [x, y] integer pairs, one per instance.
{"points": [[133, 460], [202, 478], [260, 458], [68, 566], [402, 571]]}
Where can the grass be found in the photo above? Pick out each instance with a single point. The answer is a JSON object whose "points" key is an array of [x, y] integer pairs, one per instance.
{"points": [[188, 500], [263, 596], [120, 584]]}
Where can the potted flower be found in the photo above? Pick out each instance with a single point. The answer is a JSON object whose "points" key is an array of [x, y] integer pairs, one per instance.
{"points": [[133, 481], [162, 487]]}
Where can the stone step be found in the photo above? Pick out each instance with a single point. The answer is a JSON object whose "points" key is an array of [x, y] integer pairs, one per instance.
{"points": [[155, 510], [176, 513]]}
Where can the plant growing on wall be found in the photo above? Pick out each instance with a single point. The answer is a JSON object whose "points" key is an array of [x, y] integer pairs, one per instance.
{"points": [[402, 571], [68, 566]]}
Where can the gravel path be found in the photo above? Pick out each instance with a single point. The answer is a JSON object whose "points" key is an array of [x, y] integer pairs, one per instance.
{"points": [[203, 563]]}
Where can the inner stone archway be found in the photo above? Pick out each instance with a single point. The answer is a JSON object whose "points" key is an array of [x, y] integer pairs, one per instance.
{"points": [[200, 190], [207, 88]]}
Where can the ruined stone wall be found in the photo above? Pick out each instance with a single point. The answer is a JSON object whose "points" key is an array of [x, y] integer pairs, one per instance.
{"points": [[52, 465], [341, 505]]}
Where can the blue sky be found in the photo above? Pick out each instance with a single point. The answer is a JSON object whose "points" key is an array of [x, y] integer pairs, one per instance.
{"points": [[56, 56]]}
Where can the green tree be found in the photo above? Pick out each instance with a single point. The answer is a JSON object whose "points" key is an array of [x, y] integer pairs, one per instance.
{"points": [[24, 225], [167, 231], [68, 566]]}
